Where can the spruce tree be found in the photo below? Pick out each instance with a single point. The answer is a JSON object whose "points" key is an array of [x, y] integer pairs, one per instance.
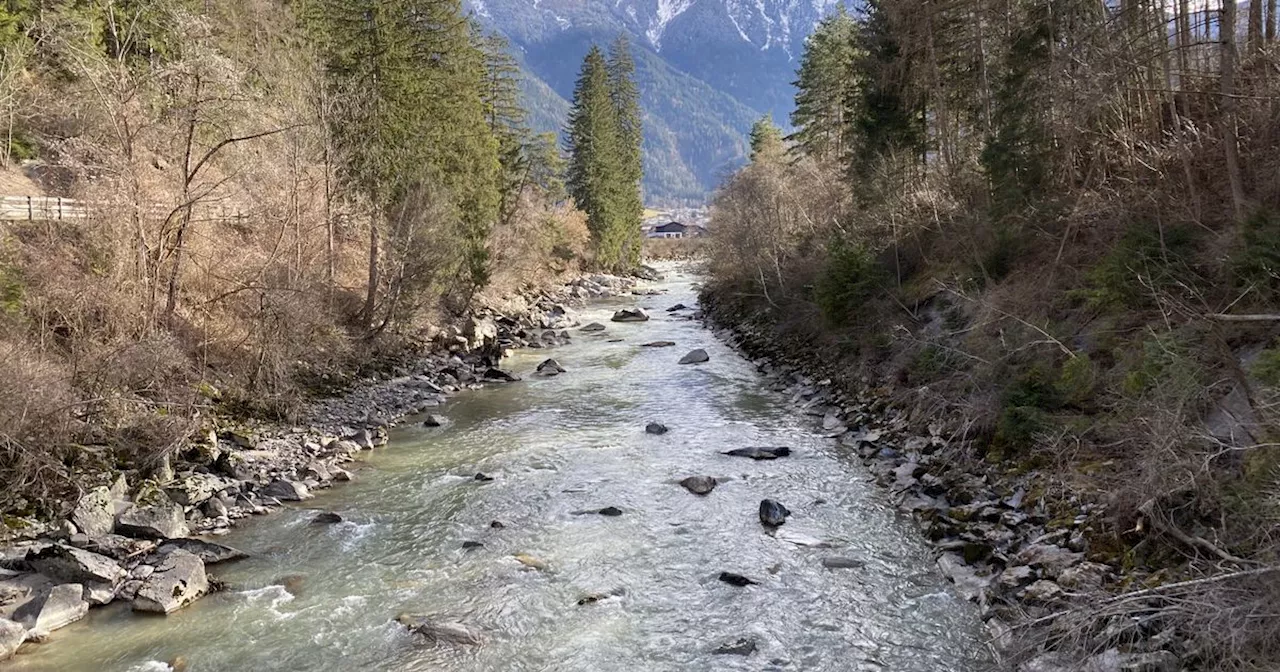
{"points": [[827, 88], [597, 173], [766, 141], [626, 102]]}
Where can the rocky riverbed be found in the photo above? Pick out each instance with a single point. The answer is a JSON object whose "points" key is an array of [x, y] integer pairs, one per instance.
{"points": [[627, 512], [144, 538], [1007, 547]]}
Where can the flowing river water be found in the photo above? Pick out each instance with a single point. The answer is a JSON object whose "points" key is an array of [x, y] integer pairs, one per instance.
{"points": [[556, 446]]}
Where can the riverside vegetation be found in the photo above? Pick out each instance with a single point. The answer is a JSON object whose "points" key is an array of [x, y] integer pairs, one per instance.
{"points": [[389, 203], [1046, 234]]}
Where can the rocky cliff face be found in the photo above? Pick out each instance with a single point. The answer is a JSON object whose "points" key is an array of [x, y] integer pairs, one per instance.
{"points": [[707, 69]]}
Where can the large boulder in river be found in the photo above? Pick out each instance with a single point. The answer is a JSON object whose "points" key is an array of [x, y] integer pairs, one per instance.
{"points": [[494, 374], [437, 631], [593, 327], [99, 574], [95, 513], [698, 356], [287, 491], [54, 608], [655, 428], [630, 315], [699, 485], [12, 635], [162, 520], [550, 368], [773, 513], [178, 581]]}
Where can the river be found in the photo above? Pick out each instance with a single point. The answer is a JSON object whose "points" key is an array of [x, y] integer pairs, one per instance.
{"points": [[556, 446]]}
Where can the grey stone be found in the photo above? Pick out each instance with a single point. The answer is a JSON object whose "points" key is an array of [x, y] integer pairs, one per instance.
{"points": [[1049, 559], [737, 647], [630, 315], [74, 565], [773, 513], [12, 635], [655, 428], [696, 357], [94, 514], [1013, 578], [55, 608], [287, 491], [1043, 592], [441, 632], [195, 489], [699, 485], [550, 367], [158, 521], [210, 553], [178, 581], [114, 546], [593, 327], [757, 453], [1084, 576]]}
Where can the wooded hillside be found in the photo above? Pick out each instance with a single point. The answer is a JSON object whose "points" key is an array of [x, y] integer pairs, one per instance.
{"points": [[1054, 227], [282, 197]]}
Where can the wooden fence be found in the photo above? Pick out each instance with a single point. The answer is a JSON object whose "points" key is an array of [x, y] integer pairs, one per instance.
{"points": [[42, 208], [57, 209]]}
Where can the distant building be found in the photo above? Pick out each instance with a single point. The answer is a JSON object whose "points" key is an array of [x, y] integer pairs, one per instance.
{"points": [[676, 230]]}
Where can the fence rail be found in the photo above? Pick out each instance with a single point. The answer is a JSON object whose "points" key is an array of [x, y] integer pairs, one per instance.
{"points": [[56, 209], [42, 208]]}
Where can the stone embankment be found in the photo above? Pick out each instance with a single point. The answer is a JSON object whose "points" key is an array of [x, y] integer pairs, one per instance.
{"points": [[133, 538], [1021, 558]]}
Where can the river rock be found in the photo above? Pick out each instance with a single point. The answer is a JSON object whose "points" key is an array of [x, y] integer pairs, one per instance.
{"points": [[287, 491], [114, 546], [362, 438], [12, 635], [699, 485], [658, 344], [471, 545], [441, 632], [593, 327], [773, 513], [1051, 560], [550, 367], [157, 521], [95, 513], [630, 315], [210, 553], [737, 580], [677, 307], [497, 375], [432, 421], [738, 647], [696, 357], [98, 574], [482, 478], [195, 489], [1043, 592], [51, 609], [611, 511], [178, 581], [757, 453], [1084, 576], [655, 428]]}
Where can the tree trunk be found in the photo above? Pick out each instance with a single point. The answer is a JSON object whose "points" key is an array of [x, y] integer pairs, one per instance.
{"points": [[1255, 26], [1230, 138], [1271, 20], [371, 295]]}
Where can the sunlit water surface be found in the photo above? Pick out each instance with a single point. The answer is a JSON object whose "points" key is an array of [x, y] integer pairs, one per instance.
{"points": [[556, 446]]}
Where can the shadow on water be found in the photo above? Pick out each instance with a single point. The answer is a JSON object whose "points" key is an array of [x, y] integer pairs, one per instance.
{"points": [[323, 597]]}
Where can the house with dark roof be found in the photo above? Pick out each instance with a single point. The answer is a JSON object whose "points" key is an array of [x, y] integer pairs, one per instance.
{"points": [[676, 230]]}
